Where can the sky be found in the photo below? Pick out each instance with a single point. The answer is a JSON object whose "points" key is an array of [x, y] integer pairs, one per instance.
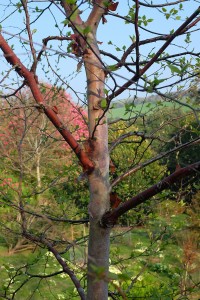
{"points": [[114, 30]]}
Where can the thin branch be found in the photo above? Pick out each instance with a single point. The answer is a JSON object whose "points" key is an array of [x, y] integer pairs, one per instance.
{"points": [[120, 63], [167, 57], [160, 37], [30, 35], [133, 133], [39, 44], [14, 93], [50, 38], [162, 4], [60, 260], [44, 216], [137, 39], [170, 38], [18, 107], [50, 113], [44, 276], [136, 77], [110, 218], [152, 160], [165, 96], [194, 110]]}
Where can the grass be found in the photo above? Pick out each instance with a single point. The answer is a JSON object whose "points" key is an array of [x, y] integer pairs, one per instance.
{"points": [[23, 269], [151, 259], [159, 263], [140, 109]]}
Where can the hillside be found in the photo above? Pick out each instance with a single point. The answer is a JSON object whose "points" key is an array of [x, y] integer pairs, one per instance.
{"points": [[129, 108]]}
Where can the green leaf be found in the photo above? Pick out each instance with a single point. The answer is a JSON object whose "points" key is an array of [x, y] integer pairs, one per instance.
{"points": [[77, 127], [133, 38], [65, 22], [174, 69], [174, 11], [124, 276], [106, 91], [157, 81], [71, 1], [106, 3], [149, 89], [187, 39], [185, 67], [103, 103], [167, 16], [112, 68]]}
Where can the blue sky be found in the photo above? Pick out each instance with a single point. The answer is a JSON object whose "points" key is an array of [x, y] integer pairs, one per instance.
{"points": [[114, 30]]}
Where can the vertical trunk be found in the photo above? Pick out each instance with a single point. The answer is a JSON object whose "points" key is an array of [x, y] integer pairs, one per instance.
{"points": [[98, 247], [98, 262]]}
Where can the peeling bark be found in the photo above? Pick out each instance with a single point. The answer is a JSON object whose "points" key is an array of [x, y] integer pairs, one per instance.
{"points": [[98, 248]]}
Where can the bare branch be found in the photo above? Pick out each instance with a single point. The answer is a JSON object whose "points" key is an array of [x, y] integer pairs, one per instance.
{"points": [[137, 36], [143, 136], [162, 4], [53, 117], [152, 160], [170, 39], [60, 260], [155, 57], [30, 35], [44, 216], [110, 218], [50, 38]]}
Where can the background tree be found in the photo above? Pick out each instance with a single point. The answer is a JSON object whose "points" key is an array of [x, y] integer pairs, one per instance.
{"points": [[40, 142], [147, 61]]}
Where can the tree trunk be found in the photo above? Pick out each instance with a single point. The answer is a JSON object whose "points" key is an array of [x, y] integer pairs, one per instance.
{"points": [[98, 262], [98, 247]]}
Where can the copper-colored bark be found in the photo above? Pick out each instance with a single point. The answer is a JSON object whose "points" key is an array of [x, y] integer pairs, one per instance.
{"points": [[31, 81]]}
